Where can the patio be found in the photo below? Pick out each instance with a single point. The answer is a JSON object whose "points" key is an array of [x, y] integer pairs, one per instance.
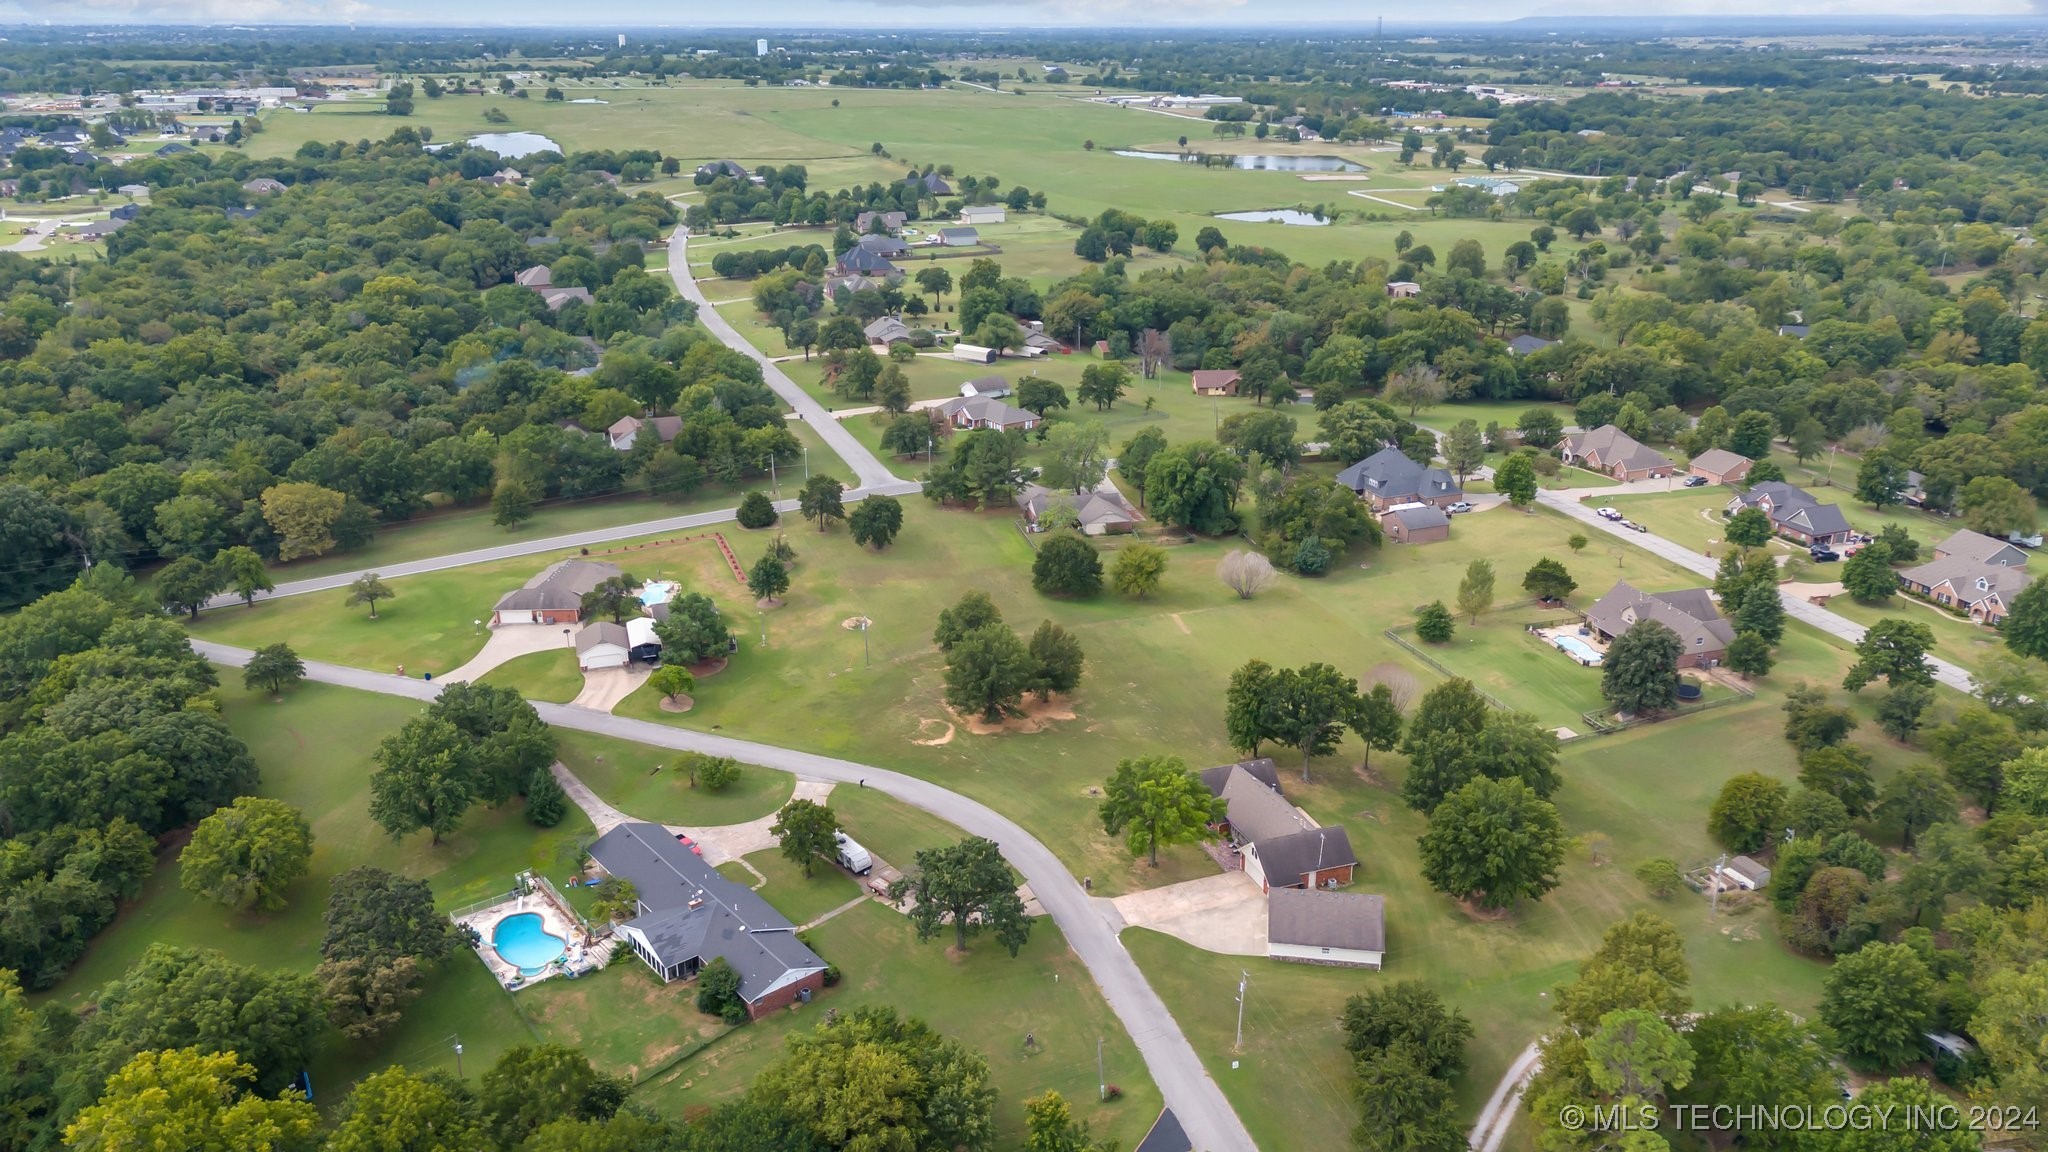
{"points": [[581, 951], [1578, 643]]}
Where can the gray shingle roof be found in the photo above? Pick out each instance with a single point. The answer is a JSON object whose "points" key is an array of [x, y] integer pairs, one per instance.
{"points": [[1965, 576], [1609, 445], [1263, 769], [559, 586], [1389, 475], [1288, 858], [1257, 810], [1312, 919], [1420, 516], [727, 920], [602, 632], [1792, 505], [1970, 545], [1690, 613]]}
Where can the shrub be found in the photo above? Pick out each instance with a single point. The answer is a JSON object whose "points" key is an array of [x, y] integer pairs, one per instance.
{"points": [[757, 511]]}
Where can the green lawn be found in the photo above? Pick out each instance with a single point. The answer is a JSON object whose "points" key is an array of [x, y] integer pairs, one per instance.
{"points": [[986, 999], [1956, 640], [643, 782], [803, 900], [551, 676], [314, 749], [1522, 671]]}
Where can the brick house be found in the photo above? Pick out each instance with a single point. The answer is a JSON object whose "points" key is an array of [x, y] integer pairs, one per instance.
{"points": [[1387, 478], [1277, 844], [688, 915], [1794, 513], [1720, 466], [555, 595], [1974, 572], [1691, 613], [1215, 381], [1612, 452], [1416, 524]]}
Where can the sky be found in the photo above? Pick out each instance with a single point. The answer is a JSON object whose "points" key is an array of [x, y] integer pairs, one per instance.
{"points": [[616, 15]]}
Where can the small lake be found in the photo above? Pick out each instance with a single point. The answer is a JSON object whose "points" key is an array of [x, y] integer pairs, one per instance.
{"points": [[513, 145], [1277, 216], [1256, 163]]}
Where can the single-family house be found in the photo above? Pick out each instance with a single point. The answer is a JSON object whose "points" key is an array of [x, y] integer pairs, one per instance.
{"points": [[973, 354], [554, 595], [719, 168], [1341, 929], [1794, 513], [969, 412], [1276, 843], [173, 149], [1964, 579], [555, 298], [958, 237], [1387, 478], [504, 176], [536, 277], [887, 330], [263, 186], [929, 184], [1403, 289], [1691, 613], [1039, 344], [1794, 331], [1216, 381], [125, 212], [891, 221], [1416, 524], [883, 245], [1166, 1135], [994, 386], [626, 430], [1101, 511], [688, 915], [1525, 343], [602, 644], [1720, 466], [983, 214], [97, 230], [1744, 873], [1609, 450], [1980, 549], [859, 259]]}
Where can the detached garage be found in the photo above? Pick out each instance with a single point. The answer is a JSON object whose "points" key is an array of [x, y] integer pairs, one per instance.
{"points": [[602, 645], [1343, 929]]}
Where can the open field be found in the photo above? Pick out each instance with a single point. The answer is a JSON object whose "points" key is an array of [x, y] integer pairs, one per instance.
{"points": [[985, 999], [551, 676], [643, 782]]}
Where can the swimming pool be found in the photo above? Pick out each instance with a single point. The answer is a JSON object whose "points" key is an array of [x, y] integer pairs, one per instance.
{"points": [[658, 592], [1574, 646], [523, 942]]}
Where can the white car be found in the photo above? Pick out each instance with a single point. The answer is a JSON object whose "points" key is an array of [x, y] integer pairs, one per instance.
{"points": [[1609, 514]]}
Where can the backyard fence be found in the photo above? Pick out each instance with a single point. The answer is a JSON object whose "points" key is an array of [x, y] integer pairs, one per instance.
{"points": [[471, 909], [1431, 663], [1606, 725]]}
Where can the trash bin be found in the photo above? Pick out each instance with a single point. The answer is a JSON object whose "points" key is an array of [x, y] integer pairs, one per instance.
{"points": [[426, 675]]}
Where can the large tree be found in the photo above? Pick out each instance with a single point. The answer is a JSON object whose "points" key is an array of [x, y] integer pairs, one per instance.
{"points": [[1138, 569], [807, 832], [1067, 565], [2025, 627], [768, 578], [273, 668], [534, 1083], [613, 596], [1640, 673], [969, 886], [821, 500], [1475, 591], [187, 583], [694, 632], [1377, 722], [1640, 964], [1868, 575], [1410, 1013], [426, 778], [875, 521], [368, 589], [247, 854], [973, 610], [1056, 659], [439, 1111], [192, 1101], [1310, 707], [988, 671], [1895, 650], [1493, 842], [241, 572], [1405, 1108], [1878, 1001], [1748, 813], [1548, 580], [1156, 801], [1516, 479], [869, 1079]]}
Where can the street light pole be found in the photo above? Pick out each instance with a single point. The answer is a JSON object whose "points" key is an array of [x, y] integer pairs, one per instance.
{"points": [[1101, 1079], [1243, 978], [458, 1059]]}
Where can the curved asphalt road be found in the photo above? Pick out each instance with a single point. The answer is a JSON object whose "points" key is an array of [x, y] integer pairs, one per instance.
{"points": [[1187, 1087]]}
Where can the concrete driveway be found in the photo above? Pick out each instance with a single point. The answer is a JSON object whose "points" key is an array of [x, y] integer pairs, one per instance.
{"points": [[508, 642], [732, 841], [1225, 913], [603, 688]]}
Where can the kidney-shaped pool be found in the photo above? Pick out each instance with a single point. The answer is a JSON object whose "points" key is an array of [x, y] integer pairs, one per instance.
{"points": [[525, 943]]}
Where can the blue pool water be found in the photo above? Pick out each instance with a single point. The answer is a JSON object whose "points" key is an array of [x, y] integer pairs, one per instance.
{"points": [[1579, 648], [658, 592], [524, 943]]}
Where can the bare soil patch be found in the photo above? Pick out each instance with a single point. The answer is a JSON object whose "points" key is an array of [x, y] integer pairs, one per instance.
{"points": [[854, 623], [1037, 715], [1484, 915], [680, 702], [938, 741], [708, 668], [767, 602]]}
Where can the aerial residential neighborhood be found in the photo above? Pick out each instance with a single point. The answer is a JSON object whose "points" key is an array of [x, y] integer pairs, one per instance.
{"points": [[1022, 579]]}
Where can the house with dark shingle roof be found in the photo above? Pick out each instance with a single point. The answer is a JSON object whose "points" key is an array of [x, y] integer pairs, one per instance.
{"points": [[625, 431], [1416, 524], [1216, 381], [554, 595], [1794, 513], [1691, 613], [882, 245], [929, 184], [719, 168], [1525, 343], [1099, 512], [891, 221], [1340, 929], [555, 298], [959, 237], [968, 412], [688, 915], [886, 330], [1388, 477], [1277, 844], [859, 259], [1609, 450], [1971, 571]]}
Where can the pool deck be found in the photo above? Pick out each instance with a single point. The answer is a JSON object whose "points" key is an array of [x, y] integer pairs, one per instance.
{"points": [[1564, 636], [582, 953]]}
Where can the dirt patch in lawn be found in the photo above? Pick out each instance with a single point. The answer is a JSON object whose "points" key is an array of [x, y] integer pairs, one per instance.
{"points": [[942, 739], [1035, 716], [1483, 915], [680, 702], [767, 602], [709, 668], [855, 623]]}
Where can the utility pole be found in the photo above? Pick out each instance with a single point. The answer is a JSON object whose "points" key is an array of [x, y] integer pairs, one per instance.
{"points": [[1243, 979], [1101, 1080], [865, 624], [1714, 882], [772, 481], [458, 1059]]}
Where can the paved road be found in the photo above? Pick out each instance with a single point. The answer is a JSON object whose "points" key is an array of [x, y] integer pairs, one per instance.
{"points": [[1567, 501], [1188, 1088], [873, 475]]}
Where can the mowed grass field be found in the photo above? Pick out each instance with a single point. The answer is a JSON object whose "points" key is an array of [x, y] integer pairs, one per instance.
{"points": [[1037, 136]]}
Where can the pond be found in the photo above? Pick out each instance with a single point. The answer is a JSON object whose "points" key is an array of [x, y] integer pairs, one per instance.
{"points": [[1261, 163], [1277, 216], [513, 145]]}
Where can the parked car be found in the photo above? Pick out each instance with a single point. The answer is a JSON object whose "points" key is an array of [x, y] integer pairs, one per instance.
{"points": [[1636, 526], [1823, 555], [1460, 506], [1610, 514], [1695, 481]]}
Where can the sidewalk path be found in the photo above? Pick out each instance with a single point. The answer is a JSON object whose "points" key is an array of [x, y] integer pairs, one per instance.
{"points": [[1189, 1090], [1567, 501]]}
